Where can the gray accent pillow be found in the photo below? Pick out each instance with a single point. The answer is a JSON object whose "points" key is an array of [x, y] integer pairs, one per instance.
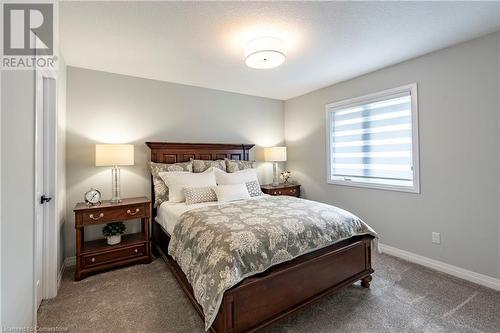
{"points": [[159, 186], [203, 165], [199, 194], [237, 165], [253, 188]]}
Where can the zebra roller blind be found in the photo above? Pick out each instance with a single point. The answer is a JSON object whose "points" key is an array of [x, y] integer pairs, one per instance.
{"points": [[373, 140]]}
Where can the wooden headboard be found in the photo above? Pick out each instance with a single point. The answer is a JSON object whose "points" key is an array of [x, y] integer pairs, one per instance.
{"points": [[170, 152]]}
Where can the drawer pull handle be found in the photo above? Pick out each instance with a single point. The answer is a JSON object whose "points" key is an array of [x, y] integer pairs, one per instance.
{"points": [[96, 218], [136, 251], [93, 259], [279, 192], [129, 212]]}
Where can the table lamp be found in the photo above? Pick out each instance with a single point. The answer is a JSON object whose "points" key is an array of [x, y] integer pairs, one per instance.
{"points": [[275, 155], [114, 155]]}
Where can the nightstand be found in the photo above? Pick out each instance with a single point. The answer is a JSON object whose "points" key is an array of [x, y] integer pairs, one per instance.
{"points": [[281, 189], [95, 256]]}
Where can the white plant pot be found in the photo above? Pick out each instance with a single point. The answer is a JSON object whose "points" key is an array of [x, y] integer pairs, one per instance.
{"points": [[113, 240]]}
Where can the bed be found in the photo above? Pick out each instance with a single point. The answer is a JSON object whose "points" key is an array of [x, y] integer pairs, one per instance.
{"points": [[262, 299]]}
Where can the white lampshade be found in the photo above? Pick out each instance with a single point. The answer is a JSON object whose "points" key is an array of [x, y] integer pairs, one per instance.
{"points": [[111, 154], [275, 154]]}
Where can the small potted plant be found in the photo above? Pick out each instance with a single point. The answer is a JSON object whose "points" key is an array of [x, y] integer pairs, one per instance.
{"points": [[113, 232]]}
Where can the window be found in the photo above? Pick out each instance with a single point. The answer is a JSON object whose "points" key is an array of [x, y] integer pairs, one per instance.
{"points": [[372, 141]]}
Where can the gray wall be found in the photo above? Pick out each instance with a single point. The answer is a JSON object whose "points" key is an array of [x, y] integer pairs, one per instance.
{"points": [[498, 203], [459, 111], [17, 196], [111, 108]]}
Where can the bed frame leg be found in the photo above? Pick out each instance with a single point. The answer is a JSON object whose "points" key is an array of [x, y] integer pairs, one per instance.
{"points": [[154, 250], [365, 282]]}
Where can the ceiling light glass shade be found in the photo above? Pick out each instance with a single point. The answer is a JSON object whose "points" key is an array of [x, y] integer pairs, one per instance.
{"points": [[265, 53]]}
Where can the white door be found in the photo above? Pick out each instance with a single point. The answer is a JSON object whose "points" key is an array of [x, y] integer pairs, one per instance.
{"points": [[47, 91]]}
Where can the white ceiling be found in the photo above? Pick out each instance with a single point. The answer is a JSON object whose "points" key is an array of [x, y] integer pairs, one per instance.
{"points": [[202, 43]]}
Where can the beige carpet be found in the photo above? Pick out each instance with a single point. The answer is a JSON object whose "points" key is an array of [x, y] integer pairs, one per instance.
{"points": [[403, 298]]}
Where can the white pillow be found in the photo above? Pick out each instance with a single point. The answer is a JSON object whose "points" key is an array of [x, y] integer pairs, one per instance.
{"points": [[226, 193], [176, 181], [238, 177]]}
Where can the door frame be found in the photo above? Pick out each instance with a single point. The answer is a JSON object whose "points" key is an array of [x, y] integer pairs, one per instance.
{"points": [[49, 283], [1, 269]]}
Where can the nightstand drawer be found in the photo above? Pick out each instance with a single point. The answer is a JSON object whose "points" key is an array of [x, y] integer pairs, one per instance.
{"points": [[281, 190], [111, 256], [285, 191], [98, 216]]}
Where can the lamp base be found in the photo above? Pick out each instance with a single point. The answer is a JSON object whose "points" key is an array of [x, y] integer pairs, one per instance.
{"points": [[276, 179], [115, 185]]}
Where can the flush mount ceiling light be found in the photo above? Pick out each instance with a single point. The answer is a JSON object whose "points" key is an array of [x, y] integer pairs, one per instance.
{"points": [[264, 53]]}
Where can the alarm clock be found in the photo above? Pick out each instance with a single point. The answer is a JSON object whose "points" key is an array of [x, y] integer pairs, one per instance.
{"points": [[92, 197]]}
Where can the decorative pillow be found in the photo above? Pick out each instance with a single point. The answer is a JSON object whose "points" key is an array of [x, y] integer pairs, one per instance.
{"points": [[199, 194], [237, 165], [239, 177], [177, 181], [202, 165], [226, 193], [160, 189], [253, 188]]}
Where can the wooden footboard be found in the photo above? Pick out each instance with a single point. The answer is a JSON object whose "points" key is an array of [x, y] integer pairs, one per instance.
{"points": [[263, 299]]}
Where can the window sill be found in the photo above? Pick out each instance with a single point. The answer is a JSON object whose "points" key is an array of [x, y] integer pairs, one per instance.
{"points": [[414, 189]]}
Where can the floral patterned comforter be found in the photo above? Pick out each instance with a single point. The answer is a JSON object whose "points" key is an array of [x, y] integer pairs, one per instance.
{"points": [[218, 246]]}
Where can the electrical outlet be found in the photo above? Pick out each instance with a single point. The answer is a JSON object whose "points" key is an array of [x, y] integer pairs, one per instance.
{"points": [[436, 237]]}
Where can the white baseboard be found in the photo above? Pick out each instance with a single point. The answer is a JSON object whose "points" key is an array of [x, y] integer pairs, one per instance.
{"points": [[70, 261], [440, 266], [60, 275]]}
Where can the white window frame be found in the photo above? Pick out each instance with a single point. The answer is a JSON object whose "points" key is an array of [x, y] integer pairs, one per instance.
{"points": [[412, 89]]}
